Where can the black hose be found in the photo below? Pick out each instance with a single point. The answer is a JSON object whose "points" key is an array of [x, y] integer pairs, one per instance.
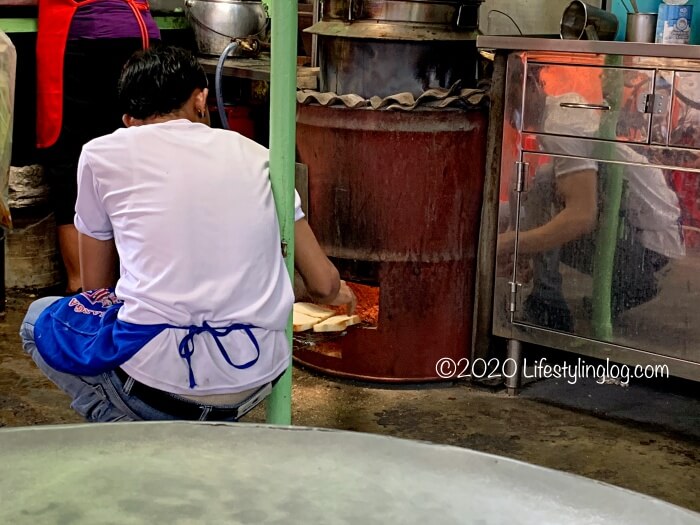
{"points": [[217, 83]]}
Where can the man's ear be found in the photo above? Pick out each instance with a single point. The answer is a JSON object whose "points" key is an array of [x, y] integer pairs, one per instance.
{"points": [[128, 120], [200, 100]]}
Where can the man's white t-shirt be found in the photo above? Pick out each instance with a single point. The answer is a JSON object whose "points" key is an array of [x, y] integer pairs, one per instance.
{"points": [[191, 211]]}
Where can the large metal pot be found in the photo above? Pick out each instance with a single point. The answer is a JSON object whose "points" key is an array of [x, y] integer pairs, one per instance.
{"points": [[383, 47], [217, 22], [384, 67], [452, 14], [263, 474]]}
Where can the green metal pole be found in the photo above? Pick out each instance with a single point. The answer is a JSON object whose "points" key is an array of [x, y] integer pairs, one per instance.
{"points": [[606, 245], [608, 228], [283, 83]]}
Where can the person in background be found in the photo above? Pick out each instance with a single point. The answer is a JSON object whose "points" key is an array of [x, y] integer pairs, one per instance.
{"points": [[81, 48], [561, 214], [195, 328], [560, 206]]}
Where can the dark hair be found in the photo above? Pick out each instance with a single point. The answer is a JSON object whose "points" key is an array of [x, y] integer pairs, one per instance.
{"points": [[159, 80]]}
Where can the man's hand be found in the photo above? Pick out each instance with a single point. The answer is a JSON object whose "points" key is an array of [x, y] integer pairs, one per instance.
{"points": [[506, 243], [345, 297]]}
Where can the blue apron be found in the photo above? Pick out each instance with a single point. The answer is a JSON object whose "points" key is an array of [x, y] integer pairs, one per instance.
{"points": [[81, 335]]}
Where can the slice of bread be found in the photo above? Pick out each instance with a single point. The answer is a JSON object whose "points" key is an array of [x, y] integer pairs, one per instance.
{"points": [[302, 322], [313, 310], [337, 323]]}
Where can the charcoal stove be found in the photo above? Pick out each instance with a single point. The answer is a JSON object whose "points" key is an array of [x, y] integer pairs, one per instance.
{"points": [[395, 196], [395, 200]]}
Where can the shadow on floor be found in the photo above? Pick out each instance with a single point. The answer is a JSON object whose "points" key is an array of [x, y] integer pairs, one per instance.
{"points": [[670, 407]]}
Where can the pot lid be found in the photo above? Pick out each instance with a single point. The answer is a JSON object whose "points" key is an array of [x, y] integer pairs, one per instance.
{"points": [[374, 30]]}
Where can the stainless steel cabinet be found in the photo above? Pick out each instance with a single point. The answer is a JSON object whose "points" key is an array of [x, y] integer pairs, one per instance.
{"points": [[685, 110], [628, 112], [599, 219]]}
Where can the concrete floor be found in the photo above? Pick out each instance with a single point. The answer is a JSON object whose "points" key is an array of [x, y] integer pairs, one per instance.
{"points": [[646, 459]]}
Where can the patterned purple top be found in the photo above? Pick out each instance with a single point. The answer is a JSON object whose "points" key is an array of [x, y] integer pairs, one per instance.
{"points": [[109, 19]]}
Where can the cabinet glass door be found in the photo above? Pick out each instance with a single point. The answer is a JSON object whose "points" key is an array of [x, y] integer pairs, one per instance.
{"points": [[610, 251], [684, 127]]}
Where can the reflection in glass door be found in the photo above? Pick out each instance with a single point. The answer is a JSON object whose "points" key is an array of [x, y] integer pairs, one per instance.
{"points": [[651, 281]]}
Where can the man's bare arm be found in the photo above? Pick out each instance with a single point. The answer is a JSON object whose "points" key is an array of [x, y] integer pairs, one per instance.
{"points": [[98, 262], [320, 276], [580, 195]]}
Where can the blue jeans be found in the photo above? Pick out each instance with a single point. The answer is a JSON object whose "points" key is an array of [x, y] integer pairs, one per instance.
{"points": [[99, 399]]}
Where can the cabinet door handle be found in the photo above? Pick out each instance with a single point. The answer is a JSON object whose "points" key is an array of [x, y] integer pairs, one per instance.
{"points": [[599, 107]]}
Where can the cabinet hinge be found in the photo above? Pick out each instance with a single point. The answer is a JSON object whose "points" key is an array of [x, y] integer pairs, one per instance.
{"points": [[513, 299], [521, 172], [652, 103]]}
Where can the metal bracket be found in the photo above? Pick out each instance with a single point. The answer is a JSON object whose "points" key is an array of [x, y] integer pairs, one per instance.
{"points": [[301, 184], [521, 171], [652, 103], [317, 13], [355, 10], [467, 16]]}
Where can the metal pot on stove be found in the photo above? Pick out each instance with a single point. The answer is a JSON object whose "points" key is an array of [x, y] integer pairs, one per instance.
{"points": [[384, 47], [448, 13], [217, 22]]}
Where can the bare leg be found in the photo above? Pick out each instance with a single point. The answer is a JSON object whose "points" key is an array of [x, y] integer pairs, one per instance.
{"points": [[68, 243]]}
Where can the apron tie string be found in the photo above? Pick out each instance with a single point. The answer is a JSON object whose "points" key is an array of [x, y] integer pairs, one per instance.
{"points": [[136, 8], [186, 346]]}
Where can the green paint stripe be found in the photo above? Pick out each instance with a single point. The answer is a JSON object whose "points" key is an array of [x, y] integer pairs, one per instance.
{"points": [[18, 25], [172, 22], [28, 25]]}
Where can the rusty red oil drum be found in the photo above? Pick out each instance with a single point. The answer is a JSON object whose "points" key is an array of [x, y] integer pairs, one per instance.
{"points": [[395, 200]]}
